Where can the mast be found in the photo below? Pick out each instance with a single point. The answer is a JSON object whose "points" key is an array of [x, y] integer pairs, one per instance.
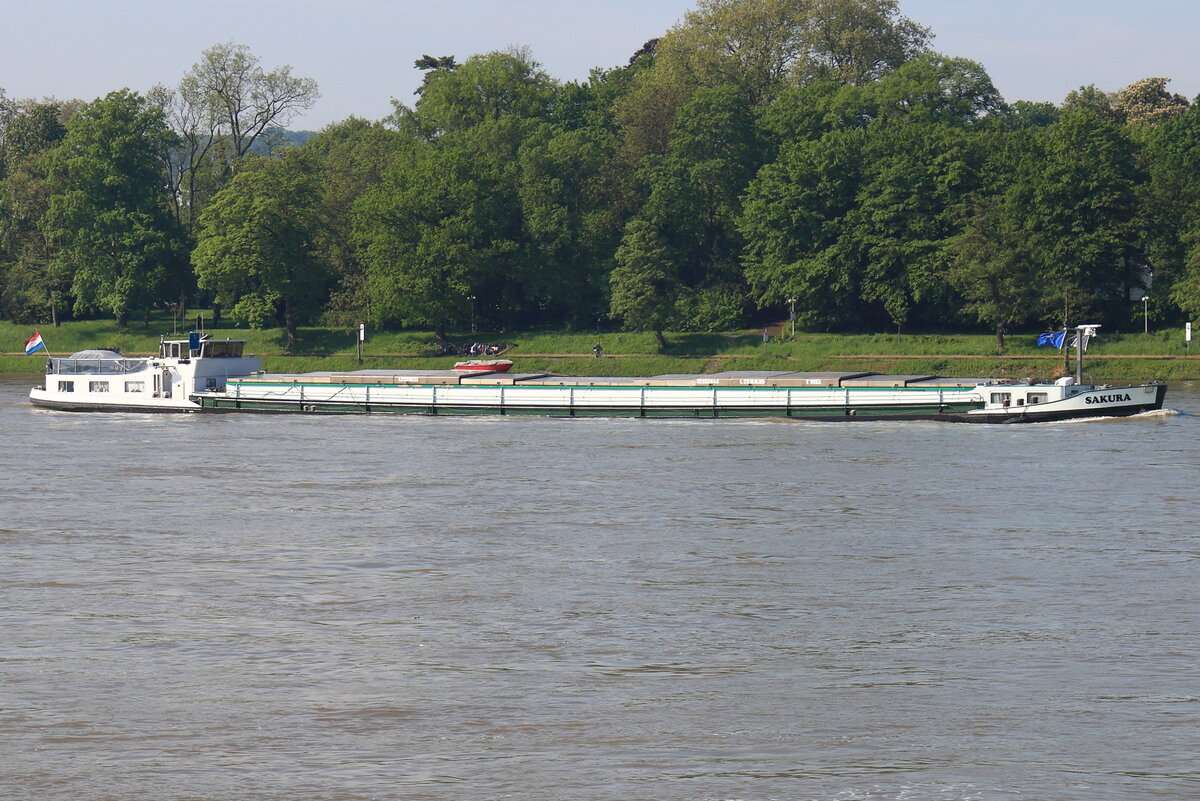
{"points": [[1083, 333]]}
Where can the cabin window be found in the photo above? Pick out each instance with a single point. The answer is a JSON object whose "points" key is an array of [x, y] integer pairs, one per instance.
{"points": [[97, 386], [66, 386], [218, 350], [1002, 398], [210, 383], [1038, 397], [135, 386]]}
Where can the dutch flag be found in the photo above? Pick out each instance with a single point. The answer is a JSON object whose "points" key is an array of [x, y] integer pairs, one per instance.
{"points": [[34, 344]]}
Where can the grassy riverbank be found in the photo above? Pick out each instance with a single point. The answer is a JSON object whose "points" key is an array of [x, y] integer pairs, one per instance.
{"points": [[1113, 357]]}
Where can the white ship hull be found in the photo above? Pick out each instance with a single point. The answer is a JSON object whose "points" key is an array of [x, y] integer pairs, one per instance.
{"points": [[106, 381]]}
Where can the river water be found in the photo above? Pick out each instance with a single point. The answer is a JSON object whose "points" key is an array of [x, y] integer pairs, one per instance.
{"points": [[277, 607]]}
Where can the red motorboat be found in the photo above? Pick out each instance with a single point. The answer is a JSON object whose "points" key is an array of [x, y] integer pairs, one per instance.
{"points": [[484, 366]]}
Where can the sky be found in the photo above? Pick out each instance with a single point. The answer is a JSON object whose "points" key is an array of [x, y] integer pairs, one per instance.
{"points": [[361, 52]]}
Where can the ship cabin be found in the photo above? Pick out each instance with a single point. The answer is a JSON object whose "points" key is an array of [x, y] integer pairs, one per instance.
{"points": [[201, 347], [105, 377], [1016, 395]]}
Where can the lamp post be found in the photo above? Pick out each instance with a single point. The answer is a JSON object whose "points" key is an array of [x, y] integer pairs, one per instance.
{"points": [[1145, 314], [472, 299], [792, 316]]}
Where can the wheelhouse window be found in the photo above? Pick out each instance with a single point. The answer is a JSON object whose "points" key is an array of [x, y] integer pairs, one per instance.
{"points": [[220, 349], [66, 386], [97, 386], [135, 386]]}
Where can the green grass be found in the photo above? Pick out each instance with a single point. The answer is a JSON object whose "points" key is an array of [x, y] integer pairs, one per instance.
{"points": [[1113, 357]]}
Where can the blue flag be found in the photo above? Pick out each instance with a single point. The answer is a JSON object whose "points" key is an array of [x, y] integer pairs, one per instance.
{"points": [[1054, 338]]}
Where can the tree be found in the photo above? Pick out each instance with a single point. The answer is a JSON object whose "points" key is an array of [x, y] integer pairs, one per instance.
{"points": [[350, 158], [992, 268], [935, 88], [441, 227], [1186, 291], [572, 216], [107, 212], [29, 285], [1171, 203], [485, 87], [1147, 102], [856, 42], [793, 221], [1095, 100], [428, 62], [1082, 205], [230, 94], [763, 46], [195, 161], [645, 281], [915, 177], [855, 223], [1023, 114], [695, 197], [256, 249]]}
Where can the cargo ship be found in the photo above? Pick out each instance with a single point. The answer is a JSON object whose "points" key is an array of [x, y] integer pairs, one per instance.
{"points": [[798, 395], [209, 375]]}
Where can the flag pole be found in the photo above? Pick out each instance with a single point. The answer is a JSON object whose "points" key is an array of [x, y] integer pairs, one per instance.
{"points": [[1066, 352]]}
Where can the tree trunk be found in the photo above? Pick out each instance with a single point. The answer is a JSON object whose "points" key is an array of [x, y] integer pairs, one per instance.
{"points": [[660, 339], [122, 319], [216, 314], [289, 324], [999, 337]]}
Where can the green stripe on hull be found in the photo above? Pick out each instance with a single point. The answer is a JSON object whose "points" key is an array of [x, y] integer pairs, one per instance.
{"points": [[796, 412]]}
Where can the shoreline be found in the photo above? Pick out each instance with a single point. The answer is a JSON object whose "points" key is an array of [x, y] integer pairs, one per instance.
{"points": [[1115, 357], [1129, 368]]}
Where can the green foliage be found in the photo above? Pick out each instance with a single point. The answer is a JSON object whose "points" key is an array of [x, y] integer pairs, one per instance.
{"points": [[695, 191], [107, 212], [1083, 214], [855, 42], [792, 223], [645, 281], [350, 159], [1171, 208], [936, 88], [485, 88], [759, 152], [715, 308], [31, 288], [440, 228], [571, 218], [991, 267], [256, 249]]}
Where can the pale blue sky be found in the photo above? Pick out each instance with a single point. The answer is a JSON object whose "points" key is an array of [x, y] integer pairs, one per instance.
{"points": [[361, 51]]}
